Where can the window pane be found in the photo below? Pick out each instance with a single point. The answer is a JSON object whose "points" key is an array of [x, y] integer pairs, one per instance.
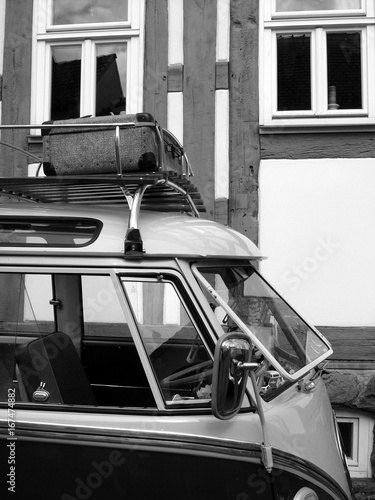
{"points": [[109, 355], [25, 313], [66, 82], [25, 304], [89, 11], [293, 72], [344, 71], [26, 231], [347, 432], [102, 312], [306, 5], [179, 358], [110, 78]]}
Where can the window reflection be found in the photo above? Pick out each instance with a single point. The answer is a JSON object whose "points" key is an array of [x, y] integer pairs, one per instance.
{"points": [[89, 11], [344, 71], [178, 355], [66, 82], [293, 72], [306, 5], [110, 78]]}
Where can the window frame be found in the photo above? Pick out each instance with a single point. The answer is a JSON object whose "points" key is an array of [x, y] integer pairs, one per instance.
{"points": [[318, 26], [361, 437], [46, 35]]}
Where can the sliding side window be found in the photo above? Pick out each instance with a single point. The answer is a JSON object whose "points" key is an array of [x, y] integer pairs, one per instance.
{"points": [[64, 340]]}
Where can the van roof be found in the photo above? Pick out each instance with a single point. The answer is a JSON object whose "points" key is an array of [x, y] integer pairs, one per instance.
{"points": [[163, 234]]}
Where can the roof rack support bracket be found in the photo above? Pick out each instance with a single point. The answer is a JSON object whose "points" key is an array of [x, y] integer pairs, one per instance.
{"points": [[133, 244]]}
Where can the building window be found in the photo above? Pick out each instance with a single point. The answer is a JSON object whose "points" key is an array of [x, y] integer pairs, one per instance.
{"points": [[356, 429], [349, 430], [87, 58], [316, 62]]}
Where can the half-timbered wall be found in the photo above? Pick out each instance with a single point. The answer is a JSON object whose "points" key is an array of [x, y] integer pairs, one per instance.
{"points": [[201, 81]]}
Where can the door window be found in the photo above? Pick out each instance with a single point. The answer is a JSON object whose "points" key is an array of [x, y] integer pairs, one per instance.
{"points": [[172, 340]]}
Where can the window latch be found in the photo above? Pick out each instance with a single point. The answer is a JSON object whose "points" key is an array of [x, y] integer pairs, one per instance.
{"points": [[55, 303]]}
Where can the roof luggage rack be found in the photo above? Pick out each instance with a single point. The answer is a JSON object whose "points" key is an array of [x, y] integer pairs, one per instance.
{"points": [[114, 160]]}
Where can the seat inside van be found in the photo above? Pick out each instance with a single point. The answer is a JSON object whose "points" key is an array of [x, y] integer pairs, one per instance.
{"points": [[52, 362]]}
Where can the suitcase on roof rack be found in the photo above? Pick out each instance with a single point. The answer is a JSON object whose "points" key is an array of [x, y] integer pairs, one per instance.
{"points": [[84, 146]]}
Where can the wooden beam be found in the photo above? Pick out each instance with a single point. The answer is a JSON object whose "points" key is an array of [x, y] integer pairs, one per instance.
{"points": [[319, 145], [156, 60], [199, 94], [244, 119], [351, 343], [16, 84]]}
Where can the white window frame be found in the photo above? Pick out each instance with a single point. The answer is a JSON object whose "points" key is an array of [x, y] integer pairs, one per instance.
{"points": [[317, 24], [359, 464], [46, 35]]}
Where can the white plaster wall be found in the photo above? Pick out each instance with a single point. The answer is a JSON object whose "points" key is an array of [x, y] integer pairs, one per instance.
{"points": [[317, 227]]}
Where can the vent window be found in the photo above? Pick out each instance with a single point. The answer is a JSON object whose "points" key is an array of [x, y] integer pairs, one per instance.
{"points": [[59, 232]]}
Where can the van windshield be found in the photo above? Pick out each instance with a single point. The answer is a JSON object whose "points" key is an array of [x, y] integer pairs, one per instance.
{"points": [[244, 301]]}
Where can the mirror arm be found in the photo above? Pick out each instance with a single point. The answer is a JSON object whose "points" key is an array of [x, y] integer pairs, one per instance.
{"points": [[266, 448], [267, 458], [246, 366]]}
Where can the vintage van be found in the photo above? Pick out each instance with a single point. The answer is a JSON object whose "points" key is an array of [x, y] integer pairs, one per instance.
{"points": [[142, 354]]}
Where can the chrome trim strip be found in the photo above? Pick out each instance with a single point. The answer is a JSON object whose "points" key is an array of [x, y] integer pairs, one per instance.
{"points": [[144, 440]]}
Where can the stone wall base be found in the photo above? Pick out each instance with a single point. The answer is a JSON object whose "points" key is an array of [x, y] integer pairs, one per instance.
{"points": [[363, 489]]}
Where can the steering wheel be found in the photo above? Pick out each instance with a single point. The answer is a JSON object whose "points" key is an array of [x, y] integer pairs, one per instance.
{"points": [[191, 374]]}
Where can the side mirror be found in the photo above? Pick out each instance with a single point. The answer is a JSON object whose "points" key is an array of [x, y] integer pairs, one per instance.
{"points": [[231, 365]]}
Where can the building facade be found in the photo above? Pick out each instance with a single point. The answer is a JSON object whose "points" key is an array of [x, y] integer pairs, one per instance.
{"points": [[316, 80], [274, 103]]}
